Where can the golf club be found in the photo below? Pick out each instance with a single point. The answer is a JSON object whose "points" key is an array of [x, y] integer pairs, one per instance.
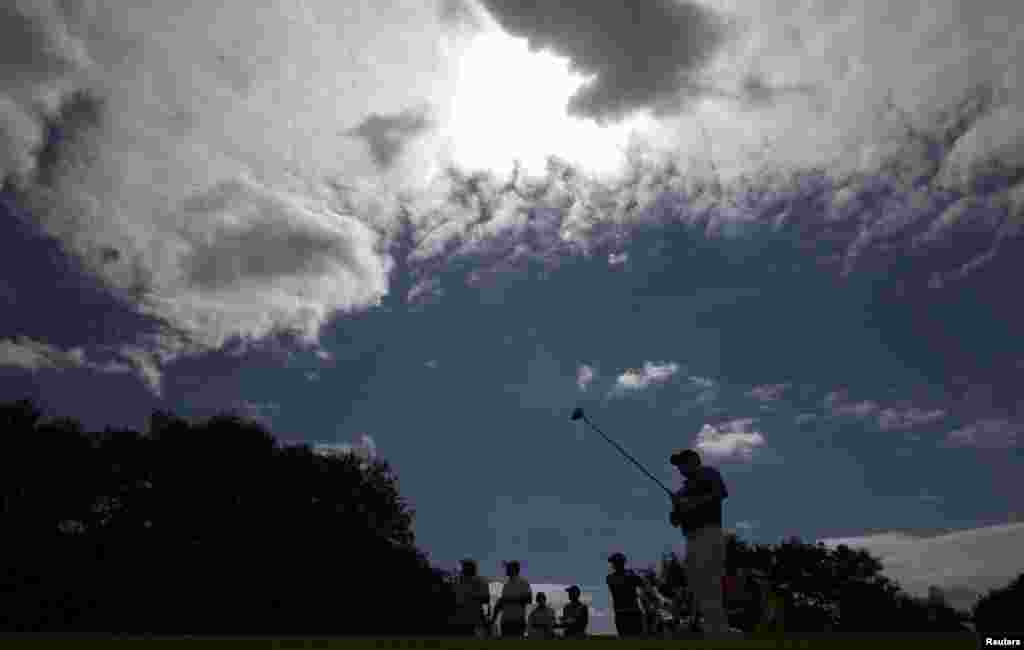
{"points": [[578, 414]]}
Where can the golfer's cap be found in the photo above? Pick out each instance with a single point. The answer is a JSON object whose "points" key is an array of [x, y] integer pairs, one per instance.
{"points": [[572, 589], [514, 563], [617, 558], [682, 456]]}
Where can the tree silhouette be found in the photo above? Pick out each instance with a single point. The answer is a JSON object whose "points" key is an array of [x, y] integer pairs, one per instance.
{"points": [[826, 589], [999, 610], [204, 527]]}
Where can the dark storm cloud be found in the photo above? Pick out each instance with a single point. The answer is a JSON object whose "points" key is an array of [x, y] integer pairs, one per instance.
{"points": [[755, 92], [641, 55], [387, 135], [79, 112], [34, 46], [458, 13]]}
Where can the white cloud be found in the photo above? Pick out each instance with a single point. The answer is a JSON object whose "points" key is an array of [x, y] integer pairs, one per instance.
{"points": [[839, 405], [730, 440], [225, 234], [365, 449], [995, 143], [159, 184], [641, 378], [993, 433], [35, 355], [584, 376], [432, 364], [966, 561], [768, 392], [617, 259], [890, 419], [324, 355]]}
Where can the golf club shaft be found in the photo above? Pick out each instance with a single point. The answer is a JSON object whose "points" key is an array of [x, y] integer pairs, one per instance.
{"points": [[626, 454]]}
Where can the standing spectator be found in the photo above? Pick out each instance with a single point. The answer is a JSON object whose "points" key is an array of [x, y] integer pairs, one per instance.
{"points": [[515, 596], [624, 585], [472, 595]]}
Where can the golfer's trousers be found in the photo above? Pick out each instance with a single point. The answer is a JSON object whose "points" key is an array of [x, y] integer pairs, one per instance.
{"points": [[629, 624], [705, 560]]}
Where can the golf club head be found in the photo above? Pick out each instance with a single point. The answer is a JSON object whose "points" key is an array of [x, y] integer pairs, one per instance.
{"points": [[577, 413]]}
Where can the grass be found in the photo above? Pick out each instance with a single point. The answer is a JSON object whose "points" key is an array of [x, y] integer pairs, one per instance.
{"points": [[830, 642]]}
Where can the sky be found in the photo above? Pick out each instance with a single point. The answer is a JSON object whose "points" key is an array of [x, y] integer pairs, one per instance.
{"points": [[783, 233]]}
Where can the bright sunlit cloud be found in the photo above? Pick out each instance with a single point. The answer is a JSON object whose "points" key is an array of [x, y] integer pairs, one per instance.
{"points": [[511, 104]]}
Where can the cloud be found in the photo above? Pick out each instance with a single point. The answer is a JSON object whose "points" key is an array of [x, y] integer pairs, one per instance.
{"points": [[35, 355], [146, 167], [365, 449], [768, 392], [584, 376], [642, 378], [965, 563], [674, 39], [324, 355], [387, 135], [992, 433], [839, 405], [617, 259], [433, 364], [892, 419], [730, 440], [125, 149]]}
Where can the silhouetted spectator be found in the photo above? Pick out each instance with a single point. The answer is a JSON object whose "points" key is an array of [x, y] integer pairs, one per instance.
{"points": [[653, 605], [575, 615], [515, 596], [472, 594], [542, 619], [624, 585]]}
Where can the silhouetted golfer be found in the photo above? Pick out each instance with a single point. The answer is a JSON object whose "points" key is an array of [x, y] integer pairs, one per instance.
{"points": [[515, 596], [697, 510], [575, 615], [624, 585], [472, 594]]}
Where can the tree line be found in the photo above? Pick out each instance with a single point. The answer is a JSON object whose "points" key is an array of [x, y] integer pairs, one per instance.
{"points": [[203, 527], [842, 590]]}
